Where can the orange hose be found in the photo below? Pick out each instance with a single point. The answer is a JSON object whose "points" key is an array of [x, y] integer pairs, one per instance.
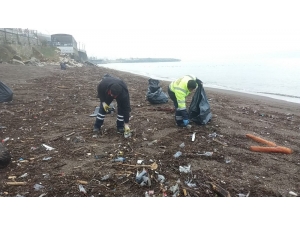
{"points": [[277, 149], [261, 140]]}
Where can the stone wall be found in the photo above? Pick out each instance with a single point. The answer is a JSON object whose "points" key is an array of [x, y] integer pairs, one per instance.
{"points": [[15, 38]]}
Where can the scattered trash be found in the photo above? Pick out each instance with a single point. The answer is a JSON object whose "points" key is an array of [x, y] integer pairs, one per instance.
{"points": [[147, 194], [243, 195], [5, 139], [38, 187], [182, 145], [119, 159], [146, 181], [190, 184], [106, 177], [47, 158], [153, 166], [82, 182], [185, 169], [139, 176], [219, 190], [213, 135], [293, 193], [175, 190], [48, 148], [206, 153], [152, 142], [227, 160], [127, 135], [177, 154], [120, 153], [161, 178], [193, 136], [24, 175], [81, 188], [15, 183], [140, 161]]}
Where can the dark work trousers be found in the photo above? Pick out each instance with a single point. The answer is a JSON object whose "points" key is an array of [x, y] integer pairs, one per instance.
{"points": [[101, 116], [178, 116]]}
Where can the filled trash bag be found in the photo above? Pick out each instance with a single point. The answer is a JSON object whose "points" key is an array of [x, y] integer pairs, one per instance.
{"points": [[6, 94], [199, 110], [63, 65], [5, 157], [155, 95]]}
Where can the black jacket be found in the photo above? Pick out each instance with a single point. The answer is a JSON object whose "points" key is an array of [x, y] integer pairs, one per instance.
{"points": [[123, 99]]}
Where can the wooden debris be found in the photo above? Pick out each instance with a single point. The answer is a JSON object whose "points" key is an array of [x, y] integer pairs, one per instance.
{"points": [[82, 182], [219, 190], [16, 183], [224, 144]]}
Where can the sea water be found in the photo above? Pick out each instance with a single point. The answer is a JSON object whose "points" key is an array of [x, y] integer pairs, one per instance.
{"points": [[275, 78]]}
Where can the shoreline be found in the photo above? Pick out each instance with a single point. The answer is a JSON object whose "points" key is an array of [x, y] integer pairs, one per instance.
{"points": [[169, 73], [238, 94]]}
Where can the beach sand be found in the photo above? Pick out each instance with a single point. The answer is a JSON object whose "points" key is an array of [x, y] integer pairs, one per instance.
{"points": [[52, 107]]}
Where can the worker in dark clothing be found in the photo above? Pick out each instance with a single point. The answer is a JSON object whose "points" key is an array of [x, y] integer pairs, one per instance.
{"points": [[63, 65], [178, 90], [108, 89]]}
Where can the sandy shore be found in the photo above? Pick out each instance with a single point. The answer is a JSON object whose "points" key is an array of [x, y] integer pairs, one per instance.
{"points": [[40, 100]]}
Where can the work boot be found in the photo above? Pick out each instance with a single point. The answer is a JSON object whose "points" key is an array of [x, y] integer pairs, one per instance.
{"points": [[120, 130], [96, 131]]}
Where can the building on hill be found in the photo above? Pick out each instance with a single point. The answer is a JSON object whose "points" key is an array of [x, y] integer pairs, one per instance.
{"points": [[67, 44]]}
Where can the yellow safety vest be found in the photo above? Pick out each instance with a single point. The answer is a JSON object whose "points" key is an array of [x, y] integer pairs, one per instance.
{"points": [[179, 87]]}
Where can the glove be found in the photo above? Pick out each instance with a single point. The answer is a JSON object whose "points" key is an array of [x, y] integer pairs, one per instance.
{"points": [[127, 129], [105, 107], [186, 122]]}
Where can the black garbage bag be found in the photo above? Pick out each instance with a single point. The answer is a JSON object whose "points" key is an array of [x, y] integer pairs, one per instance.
{"points": [[63, 65], [199, 110], [155, 95], [6, 94], [5, 157]]}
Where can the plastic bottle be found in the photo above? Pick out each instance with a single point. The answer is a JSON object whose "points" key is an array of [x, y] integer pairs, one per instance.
{"points": [[177, 154], [5, 139], [119, 159]]}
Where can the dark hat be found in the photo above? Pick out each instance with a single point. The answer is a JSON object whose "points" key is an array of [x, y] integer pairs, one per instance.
{"points": [[192, 84], [116, 89]]}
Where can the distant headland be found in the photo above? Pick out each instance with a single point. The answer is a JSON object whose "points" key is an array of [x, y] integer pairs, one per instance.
{"points": [[133, 60]]}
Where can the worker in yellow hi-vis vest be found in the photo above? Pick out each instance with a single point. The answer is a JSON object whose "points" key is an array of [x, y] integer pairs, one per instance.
{"points": [[178, 91]]}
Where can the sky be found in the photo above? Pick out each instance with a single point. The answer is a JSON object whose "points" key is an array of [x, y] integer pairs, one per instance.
{"points": [[188, 30]]}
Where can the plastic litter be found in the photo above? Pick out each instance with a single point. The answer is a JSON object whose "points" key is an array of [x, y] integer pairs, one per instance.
{"points": [[49, 148], [119, 159], [182, 145], [146, 181], [5, 139], [38, 187], [24, 175], [47, 158], [106, 177], [193, 136], [177, 154], [185, 169], [139, 176], [206, 154], [81, 188], [161, 178]]}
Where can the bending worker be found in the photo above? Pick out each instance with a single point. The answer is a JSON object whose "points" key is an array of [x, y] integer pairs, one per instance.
{"points": [[108, 89], [178, 91]]}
